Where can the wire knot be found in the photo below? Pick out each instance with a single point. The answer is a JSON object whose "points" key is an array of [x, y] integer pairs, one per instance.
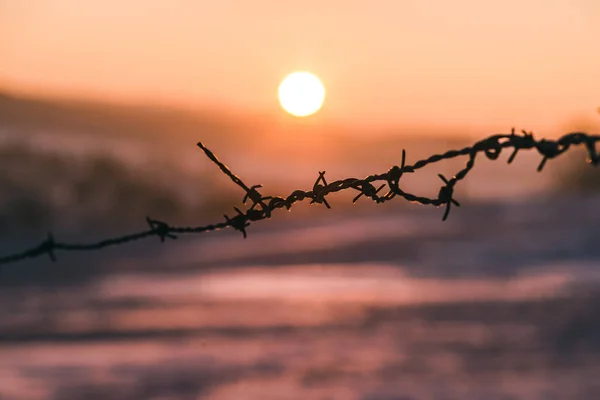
{"points": [[549, 149], [48, 246], [520, 142], [239, 222], [493, 152], [319, 190], [368, 190], [160, 229], [527, 139], [257, 198], [393, 178], [252, 214], [445, 195]]}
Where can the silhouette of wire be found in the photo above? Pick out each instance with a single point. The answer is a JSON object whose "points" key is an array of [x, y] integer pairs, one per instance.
{"points": [[262, 207]]}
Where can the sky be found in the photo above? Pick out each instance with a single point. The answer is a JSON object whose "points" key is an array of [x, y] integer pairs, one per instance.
{"points": [[464, 63]]}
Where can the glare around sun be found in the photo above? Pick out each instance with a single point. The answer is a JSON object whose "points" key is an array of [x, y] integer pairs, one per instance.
{"points": [[301, 94]]}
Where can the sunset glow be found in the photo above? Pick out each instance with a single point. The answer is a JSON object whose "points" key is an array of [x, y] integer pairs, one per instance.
{"points": [[466, 64]]}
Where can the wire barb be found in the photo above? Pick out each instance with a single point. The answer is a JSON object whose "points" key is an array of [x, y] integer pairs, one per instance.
{"points": [[319, 190], [48, 247], [161, 229], [261, 207], [445, 194], [239, 222]]}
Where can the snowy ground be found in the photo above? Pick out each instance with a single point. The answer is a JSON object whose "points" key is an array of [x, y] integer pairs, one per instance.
{"points": [[498, 302]]}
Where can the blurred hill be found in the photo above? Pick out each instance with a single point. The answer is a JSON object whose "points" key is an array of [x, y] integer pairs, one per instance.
{"points": [[67, 164], [177, 125], [42, 190], [98, 118]]}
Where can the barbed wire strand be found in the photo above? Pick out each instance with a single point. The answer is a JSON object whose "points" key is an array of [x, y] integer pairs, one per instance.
{"points": [[262, 206]]}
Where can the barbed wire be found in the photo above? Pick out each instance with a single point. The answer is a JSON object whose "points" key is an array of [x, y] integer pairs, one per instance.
{"points": [[262, 207]]}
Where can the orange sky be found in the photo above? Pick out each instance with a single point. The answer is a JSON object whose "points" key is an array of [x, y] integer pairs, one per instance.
{"points": [[489, 64]]}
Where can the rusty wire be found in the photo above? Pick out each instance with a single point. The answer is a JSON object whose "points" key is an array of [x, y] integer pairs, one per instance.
{"points": [[262, 207]]}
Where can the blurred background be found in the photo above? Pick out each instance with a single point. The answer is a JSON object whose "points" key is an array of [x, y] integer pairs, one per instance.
{"points": [[101, 107]]}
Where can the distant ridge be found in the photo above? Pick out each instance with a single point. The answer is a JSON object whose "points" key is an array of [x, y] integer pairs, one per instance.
{"points": [[177, 126]]}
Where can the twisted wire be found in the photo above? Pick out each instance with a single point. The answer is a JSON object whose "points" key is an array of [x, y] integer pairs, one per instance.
{"points": [[262, 207]]}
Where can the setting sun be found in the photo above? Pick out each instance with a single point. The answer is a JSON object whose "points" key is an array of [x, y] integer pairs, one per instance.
{"points": [[301, 94]]}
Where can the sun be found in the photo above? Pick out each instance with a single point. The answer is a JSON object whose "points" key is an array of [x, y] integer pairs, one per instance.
{"points": [[301, 94]]}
